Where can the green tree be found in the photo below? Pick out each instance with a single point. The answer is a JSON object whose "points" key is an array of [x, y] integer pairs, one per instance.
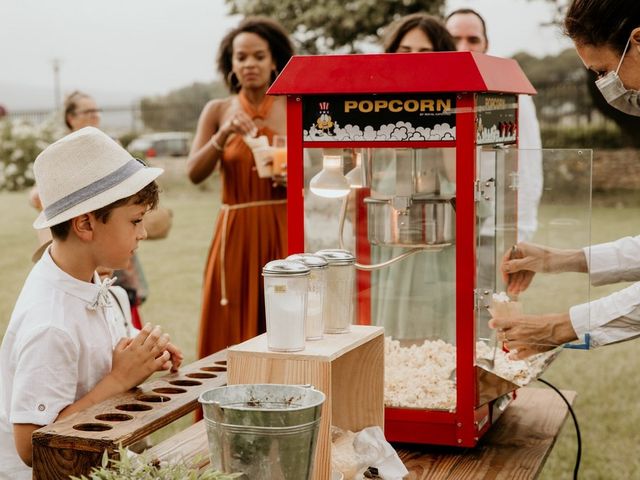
{"points": [[334, 25], [179, 109]]}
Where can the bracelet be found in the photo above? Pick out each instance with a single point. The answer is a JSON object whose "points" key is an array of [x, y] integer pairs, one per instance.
{"points": [[215, 144]]}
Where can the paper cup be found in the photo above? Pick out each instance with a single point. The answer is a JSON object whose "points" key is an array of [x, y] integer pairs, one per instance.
{"points": [[263, 157], [256, 142], [505, 309]]}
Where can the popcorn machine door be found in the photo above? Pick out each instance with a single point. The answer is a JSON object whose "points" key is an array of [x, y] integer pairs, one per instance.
{"points": [[531, 196]]}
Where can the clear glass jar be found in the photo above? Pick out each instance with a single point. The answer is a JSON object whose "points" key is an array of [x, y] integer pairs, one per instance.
{"points": [[339, 293], [316, 299], [285, 297]]}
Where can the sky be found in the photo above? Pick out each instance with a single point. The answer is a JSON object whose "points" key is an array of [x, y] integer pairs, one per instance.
{"points": [[120, 50]]}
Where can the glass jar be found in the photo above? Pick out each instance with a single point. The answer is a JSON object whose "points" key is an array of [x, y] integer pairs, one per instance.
{"points": [[339, 294], [316, 306], [285, 298]]}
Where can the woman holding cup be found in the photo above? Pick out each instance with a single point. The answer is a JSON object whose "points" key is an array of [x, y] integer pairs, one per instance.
{"points": [[606, 35], [251, 228]]}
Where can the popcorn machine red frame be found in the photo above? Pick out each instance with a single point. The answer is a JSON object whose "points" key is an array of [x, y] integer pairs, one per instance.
{"points": [[468, 79]]}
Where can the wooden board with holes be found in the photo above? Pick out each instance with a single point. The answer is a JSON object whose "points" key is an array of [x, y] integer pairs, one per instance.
{"points": [[75, 444]]}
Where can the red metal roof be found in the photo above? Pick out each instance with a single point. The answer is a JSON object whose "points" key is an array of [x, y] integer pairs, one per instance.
{"points": [[400, 72]]}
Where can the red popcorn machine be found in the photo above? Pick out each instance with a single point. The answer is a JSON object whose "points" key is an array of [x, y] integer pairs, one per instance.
{"points": [[410, 161]]}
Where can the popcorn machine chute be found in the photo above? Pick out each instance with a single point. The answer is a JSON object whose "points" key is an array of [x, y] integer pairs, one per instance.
{"points": [[424, 140]]}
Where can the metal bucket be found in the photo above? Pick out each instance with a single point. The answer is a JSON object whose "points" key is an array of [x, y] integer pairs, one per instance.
{"points": [[265, 431], [425, 222]]}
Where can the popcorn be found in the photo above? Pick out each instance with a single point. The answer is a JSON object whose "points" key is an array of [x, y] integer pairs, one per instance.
{"points": [[500, 297], [520, 372], [419, 376], [502, 306]]}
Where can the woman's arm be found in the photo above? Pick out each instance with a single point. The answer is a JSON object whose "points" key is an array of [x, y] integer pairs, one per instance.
{"points": [[208, 143], [218, 121]]}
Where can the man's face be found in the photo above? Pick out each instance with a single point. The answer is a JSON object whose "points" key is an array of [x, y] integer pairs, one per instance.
{"points": [[466, 30]]}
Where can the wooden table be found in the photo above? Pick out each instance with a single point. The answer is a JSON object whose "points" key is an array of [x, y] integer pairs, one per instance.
{"points": [[517, 446]]}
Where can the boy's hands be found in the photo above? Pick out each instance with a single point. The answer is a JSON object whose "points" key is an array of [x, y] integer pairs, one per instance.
{"points": [[135, 359], [176, 358]]}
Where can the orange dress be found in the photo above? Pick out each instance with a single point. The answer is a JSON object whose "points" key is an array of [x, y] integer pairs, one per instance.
{"points": [[251, 230]]}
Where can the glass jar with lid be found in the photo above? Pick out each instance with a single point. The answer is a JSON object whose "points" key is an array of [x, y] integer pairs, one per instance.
{"points": [[285, 297], [316, 298], [339, 294]]}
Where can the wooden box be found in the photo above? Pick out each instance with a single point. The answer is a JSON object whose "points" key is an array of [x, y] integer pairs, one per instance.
{"points": [[75, 444], [348, 368]]}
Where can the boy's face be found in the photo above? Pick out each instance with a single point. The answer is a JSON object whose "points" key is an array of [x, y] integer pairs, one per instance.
{"points": [[116, 240]]}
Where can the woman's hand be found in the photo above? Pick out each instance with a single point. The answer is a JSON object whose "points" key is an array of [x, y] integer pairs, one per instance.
{"points": [[239, 123], [526, 335], [519, 265], [522, 262]]}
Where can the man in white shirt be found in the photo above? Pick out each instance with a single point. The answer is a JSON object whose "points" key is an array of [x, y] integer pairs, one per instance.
{"points": [[469, 33]]}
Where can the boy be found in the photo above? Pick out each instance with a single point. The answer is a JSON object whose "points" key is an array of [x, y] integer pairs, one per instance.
{"points": [[64, 350]]}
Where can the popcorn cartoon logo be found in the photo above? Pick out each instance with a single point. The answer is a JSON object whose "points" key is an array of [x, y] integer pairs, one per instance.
{"points": [[324, 122]]}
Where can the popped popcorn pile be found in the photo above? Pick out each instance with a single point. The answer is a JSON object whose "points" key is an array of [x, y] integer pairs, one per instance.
{"points": [[422, 376], [419, 376]]}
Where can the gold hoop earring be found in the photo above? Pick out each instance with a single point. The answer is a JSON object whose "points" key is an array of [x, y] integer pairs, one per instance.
{"points": [[231, 76]]}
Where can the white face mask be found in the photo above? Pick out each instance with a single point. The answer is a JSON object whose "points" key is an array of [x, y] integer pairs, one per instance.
{"points": [[616, 94]]}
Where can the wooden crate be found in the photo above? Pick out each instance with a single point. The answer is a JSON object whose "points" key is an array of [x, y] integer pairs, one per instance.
{"points": [[75, 444], [348, 368]]}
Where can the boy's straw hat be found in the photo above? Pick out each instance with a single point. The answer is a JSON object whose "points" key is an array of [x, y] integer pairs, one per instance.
{"points": [[85, 171]]}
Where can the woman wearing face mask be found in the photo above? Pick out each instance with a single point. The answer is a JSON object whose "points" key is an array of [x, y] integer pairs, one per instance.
{"points": [[606, 34]]}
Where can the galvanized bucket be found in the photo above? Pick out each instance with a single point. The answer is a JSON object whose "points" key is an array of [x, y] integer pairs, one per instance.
{"points": [[265, 431]]}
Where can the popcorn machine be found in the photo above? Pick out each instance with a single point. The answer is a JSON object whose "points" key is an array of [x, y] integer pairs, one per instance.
{"points": [[405, 160]]}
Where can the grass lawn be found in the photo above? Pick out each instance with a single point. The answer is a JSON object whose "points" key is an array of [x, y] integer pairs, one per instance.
{"points": [[607, 380]]}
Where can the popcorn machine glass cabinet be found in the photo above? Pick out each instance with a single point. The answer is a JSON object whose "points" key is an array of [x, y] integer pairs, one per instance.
{"points": [[533, 196], [408, 207]]}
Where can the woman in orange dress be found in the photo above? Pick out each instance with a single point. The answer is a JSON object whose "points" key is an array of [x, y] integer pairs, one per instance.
{"points": [[251, 228]]}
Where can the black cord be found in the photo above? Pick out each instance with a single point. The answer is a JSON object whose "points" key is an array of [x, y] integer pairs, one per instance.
{"points": [[575, 422]]}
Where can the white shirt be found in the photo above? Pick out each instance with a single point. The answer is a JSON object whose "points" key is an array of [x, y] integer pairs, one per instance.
{"points": [[530, 177], [57, 347], [616, 317]]}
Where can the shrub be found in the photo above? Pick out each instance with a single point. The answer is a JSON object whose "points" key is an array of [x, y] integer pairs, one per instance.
{"points": [[20, 144]]}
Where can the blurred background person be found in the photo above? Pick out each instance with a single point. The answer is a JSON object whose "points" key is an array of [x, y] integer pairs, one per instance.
{"points": [[415, 297], [469, 32], [251, 228], [468, 29], [417, 33]]}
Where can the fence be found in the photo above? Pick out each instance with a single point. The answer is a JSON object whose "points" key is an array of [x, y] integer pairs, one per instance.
{"points": [[568, 104], [559, 105]]}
